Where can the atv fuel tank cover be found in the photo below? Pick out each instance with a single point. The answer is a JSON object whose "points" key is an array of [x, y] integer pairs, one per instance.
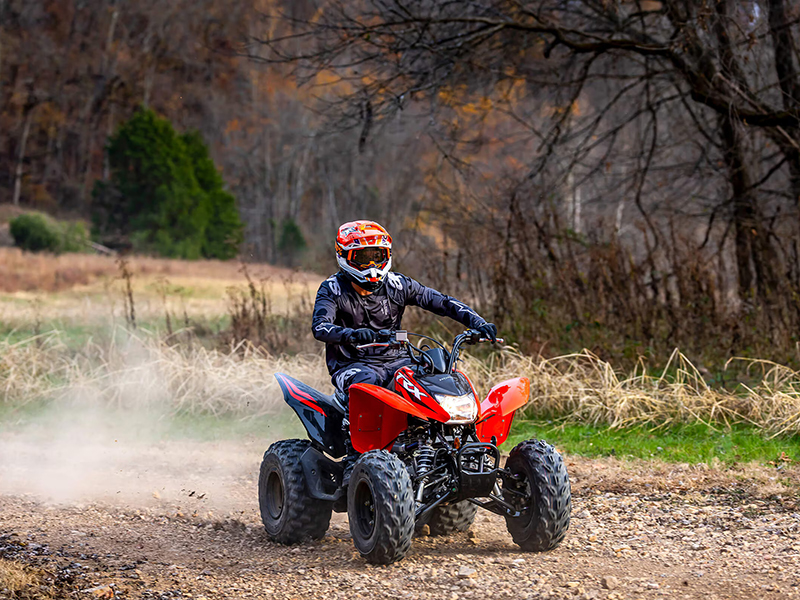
{"points": [[452, 384]]}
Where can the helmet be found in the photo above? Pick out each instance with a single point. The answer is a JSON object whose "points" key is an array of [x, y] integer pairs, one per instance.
{"points": [[364, 253]]}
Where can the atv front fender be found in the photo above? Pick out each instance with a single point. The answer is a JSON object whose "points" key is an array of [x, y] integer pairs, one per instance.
{"points": [[497, 410], [377, 416]]}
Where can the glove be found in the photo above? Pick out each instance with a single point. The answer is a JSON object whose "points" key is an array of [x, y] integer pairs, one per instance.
{"points": [[361, 336], [488, 331]]}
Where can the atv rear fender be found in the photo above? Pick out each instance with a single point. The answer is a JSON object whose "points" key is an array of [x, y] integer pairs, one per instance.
{"points": [[497, 410], [319, 414]]}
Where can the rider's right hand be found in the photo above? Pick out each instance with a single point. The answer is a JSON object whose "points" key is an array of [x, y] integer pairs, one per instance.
{"points": [[488, 331], [362, 336]]}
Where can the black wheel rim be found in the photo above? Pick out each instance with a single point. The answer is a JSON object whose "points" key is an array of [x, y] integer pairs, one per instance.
{"points": [[364, 509], [520, 493], [274, 495]]}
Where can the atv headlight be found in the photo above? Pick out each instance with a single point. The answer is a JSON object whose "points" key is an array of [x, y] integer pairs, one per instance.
{"points": [[462, 409]]}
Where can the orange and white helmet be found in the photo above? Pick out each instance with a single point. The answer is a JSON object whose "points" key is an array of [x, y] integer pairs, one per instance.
{"points": [[364, 253]]}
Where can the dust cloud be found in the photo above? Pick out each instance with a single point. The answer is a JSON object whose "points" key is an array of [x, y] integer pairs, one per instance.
{"points": [[80, 450], [137, 426]]}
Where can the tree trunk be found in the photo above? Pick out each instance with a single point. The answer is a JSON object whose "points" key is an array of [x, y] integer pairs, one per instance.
{"points": [[755, 257], [2, 36], [26, 129], [786, 70]]}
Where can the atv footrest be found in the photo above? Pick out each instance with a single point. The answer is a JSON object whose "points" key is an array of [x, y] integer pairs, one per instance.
{"points": [[323, 476], [478, 465]]}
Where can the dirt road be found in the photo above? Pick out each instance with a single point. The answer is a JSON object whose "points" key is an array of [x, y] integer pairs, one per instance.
{"points": [[160, 527]]}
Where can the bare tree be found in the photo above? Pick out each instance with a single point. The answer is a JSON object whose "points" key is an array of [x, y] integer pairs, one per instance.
{"points": [[689, 106]]}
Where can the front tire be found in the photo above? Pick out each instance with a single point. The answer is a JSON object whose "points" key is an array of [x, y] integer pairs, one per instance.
{"points": [[289, 514], [543, 484], [380, 507]]}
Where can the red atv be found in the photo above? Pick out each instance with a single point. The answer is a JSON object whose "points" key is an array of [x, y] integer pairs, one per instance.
{"points": [[422, 453]]}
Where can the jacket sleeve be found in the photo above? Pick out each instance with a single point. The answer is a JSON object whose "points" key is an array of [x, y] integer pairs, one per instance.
{"points": [[322, 322], [440, 304]]}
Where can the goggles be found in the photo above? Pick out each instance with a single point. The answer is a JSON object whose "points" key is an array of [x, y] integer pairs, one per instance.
{"points": [[368, 257]]}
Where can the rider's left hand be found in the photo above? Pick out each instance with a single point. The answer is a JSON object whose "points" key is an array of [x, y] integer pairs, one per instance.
{"points": [[489, 331]]}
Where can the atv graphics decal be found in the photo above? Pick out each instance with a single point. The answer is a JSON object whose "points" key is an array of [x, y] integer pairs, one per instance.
{"points": [[299, 395], [408, 388]]}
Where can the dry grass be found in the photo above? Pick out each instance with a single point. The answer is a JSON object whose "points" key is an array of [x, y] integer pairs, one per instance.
{"points": [[82, 290], [583, 388], [143, 370], [41, 272], [147, 373], [20, 582]]}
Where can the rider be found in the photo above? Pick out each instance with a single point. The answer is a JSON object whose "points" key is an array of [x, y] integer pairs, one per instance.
{"points": [[365, 297]]}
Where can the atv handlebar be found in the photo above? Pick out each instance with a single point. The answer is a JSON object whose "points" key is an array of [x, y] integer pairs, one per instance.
{"points": [[399, 339], [496, 341]]}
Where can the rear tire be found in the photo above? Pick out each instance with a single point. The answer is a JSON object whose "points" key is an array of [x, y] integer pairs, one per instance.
{"points": [[289, 514], [380, 507], [544, 480], [453, 518]]}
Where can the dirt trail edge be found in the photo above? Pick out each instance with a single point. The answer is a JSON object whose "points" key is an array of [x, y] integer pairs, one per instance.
{"points": [[639, 530]]}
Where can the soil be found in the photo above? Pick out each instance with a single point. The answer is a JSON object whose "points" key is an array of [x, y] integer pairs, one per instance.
{"points": [[639, 530]]}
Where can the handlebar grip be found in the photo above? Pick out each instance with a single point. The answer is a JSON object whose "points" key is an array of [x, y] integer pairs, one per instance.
{"points": [[498, 340]]}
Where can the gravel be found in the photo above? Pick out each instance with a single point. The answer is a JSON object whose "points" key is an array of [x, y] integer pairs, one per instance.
{"points": [[639, 530]]}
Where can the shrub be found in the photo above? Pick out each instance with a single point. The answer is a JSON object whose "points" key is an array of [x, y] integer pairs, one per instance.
{"points": [[37, 232], [34, 232]]}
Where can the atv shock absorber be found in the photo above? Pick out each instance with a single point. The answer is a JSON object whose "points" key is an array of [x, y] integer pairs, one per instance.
{"points": [[424, 459]]}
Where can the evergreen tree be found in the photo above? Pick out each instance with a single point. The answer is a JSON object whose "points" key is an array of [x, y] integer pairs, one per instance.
{"points": [[224, 233], [292, 244], [165, 194]]}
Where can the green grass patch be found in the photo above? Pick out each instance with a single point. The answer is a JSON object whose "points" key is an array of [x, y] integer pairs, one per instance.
{"points": [[694, 443], [40, 419], [75, 336]]}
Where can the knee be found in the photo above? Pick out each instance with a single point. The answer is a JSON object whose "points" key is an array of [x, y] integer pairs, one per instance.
{"points": [[353, 375], [366, 376]]}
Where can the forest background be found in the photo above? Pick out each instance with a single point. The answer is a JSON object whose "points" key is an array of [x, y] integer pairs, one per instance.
{"points": [[622, 176]]}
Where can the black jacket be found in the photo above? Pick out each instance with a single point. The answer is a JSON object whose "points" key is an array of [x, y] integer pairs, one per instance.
{"points": [[339, 309]]}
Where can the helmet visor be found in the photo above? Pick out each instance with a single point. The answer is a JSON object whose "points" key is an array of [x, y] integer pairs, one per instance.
{"points": [[368, 257]]}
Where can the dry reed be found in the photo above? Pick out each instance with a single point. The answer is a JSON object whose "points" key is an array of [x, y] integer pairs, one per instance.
{"points": [[22, 582], [147, 372], [583, 388]]}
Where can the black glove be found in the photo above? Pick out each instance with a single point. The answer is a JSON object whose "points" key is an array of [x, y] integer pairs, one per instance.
{"points": [[488, 331], [361, 336]]}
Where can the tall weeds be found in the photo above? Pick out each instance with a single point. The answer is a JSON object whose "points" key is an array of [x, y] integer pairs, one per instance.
{"points": [[254, 320], [144, 372], [583, 388]]}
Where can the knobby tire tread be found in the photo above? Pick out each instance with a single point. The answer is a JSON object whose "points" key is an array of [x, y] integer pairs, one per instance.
{"points": [[303, 517], [453, 518], [394, 505], [546, 525]]}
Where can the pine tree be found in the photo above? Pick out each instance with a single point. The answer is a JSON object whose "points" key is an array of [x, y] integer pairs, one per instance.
{"points": [[165, 195]]}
